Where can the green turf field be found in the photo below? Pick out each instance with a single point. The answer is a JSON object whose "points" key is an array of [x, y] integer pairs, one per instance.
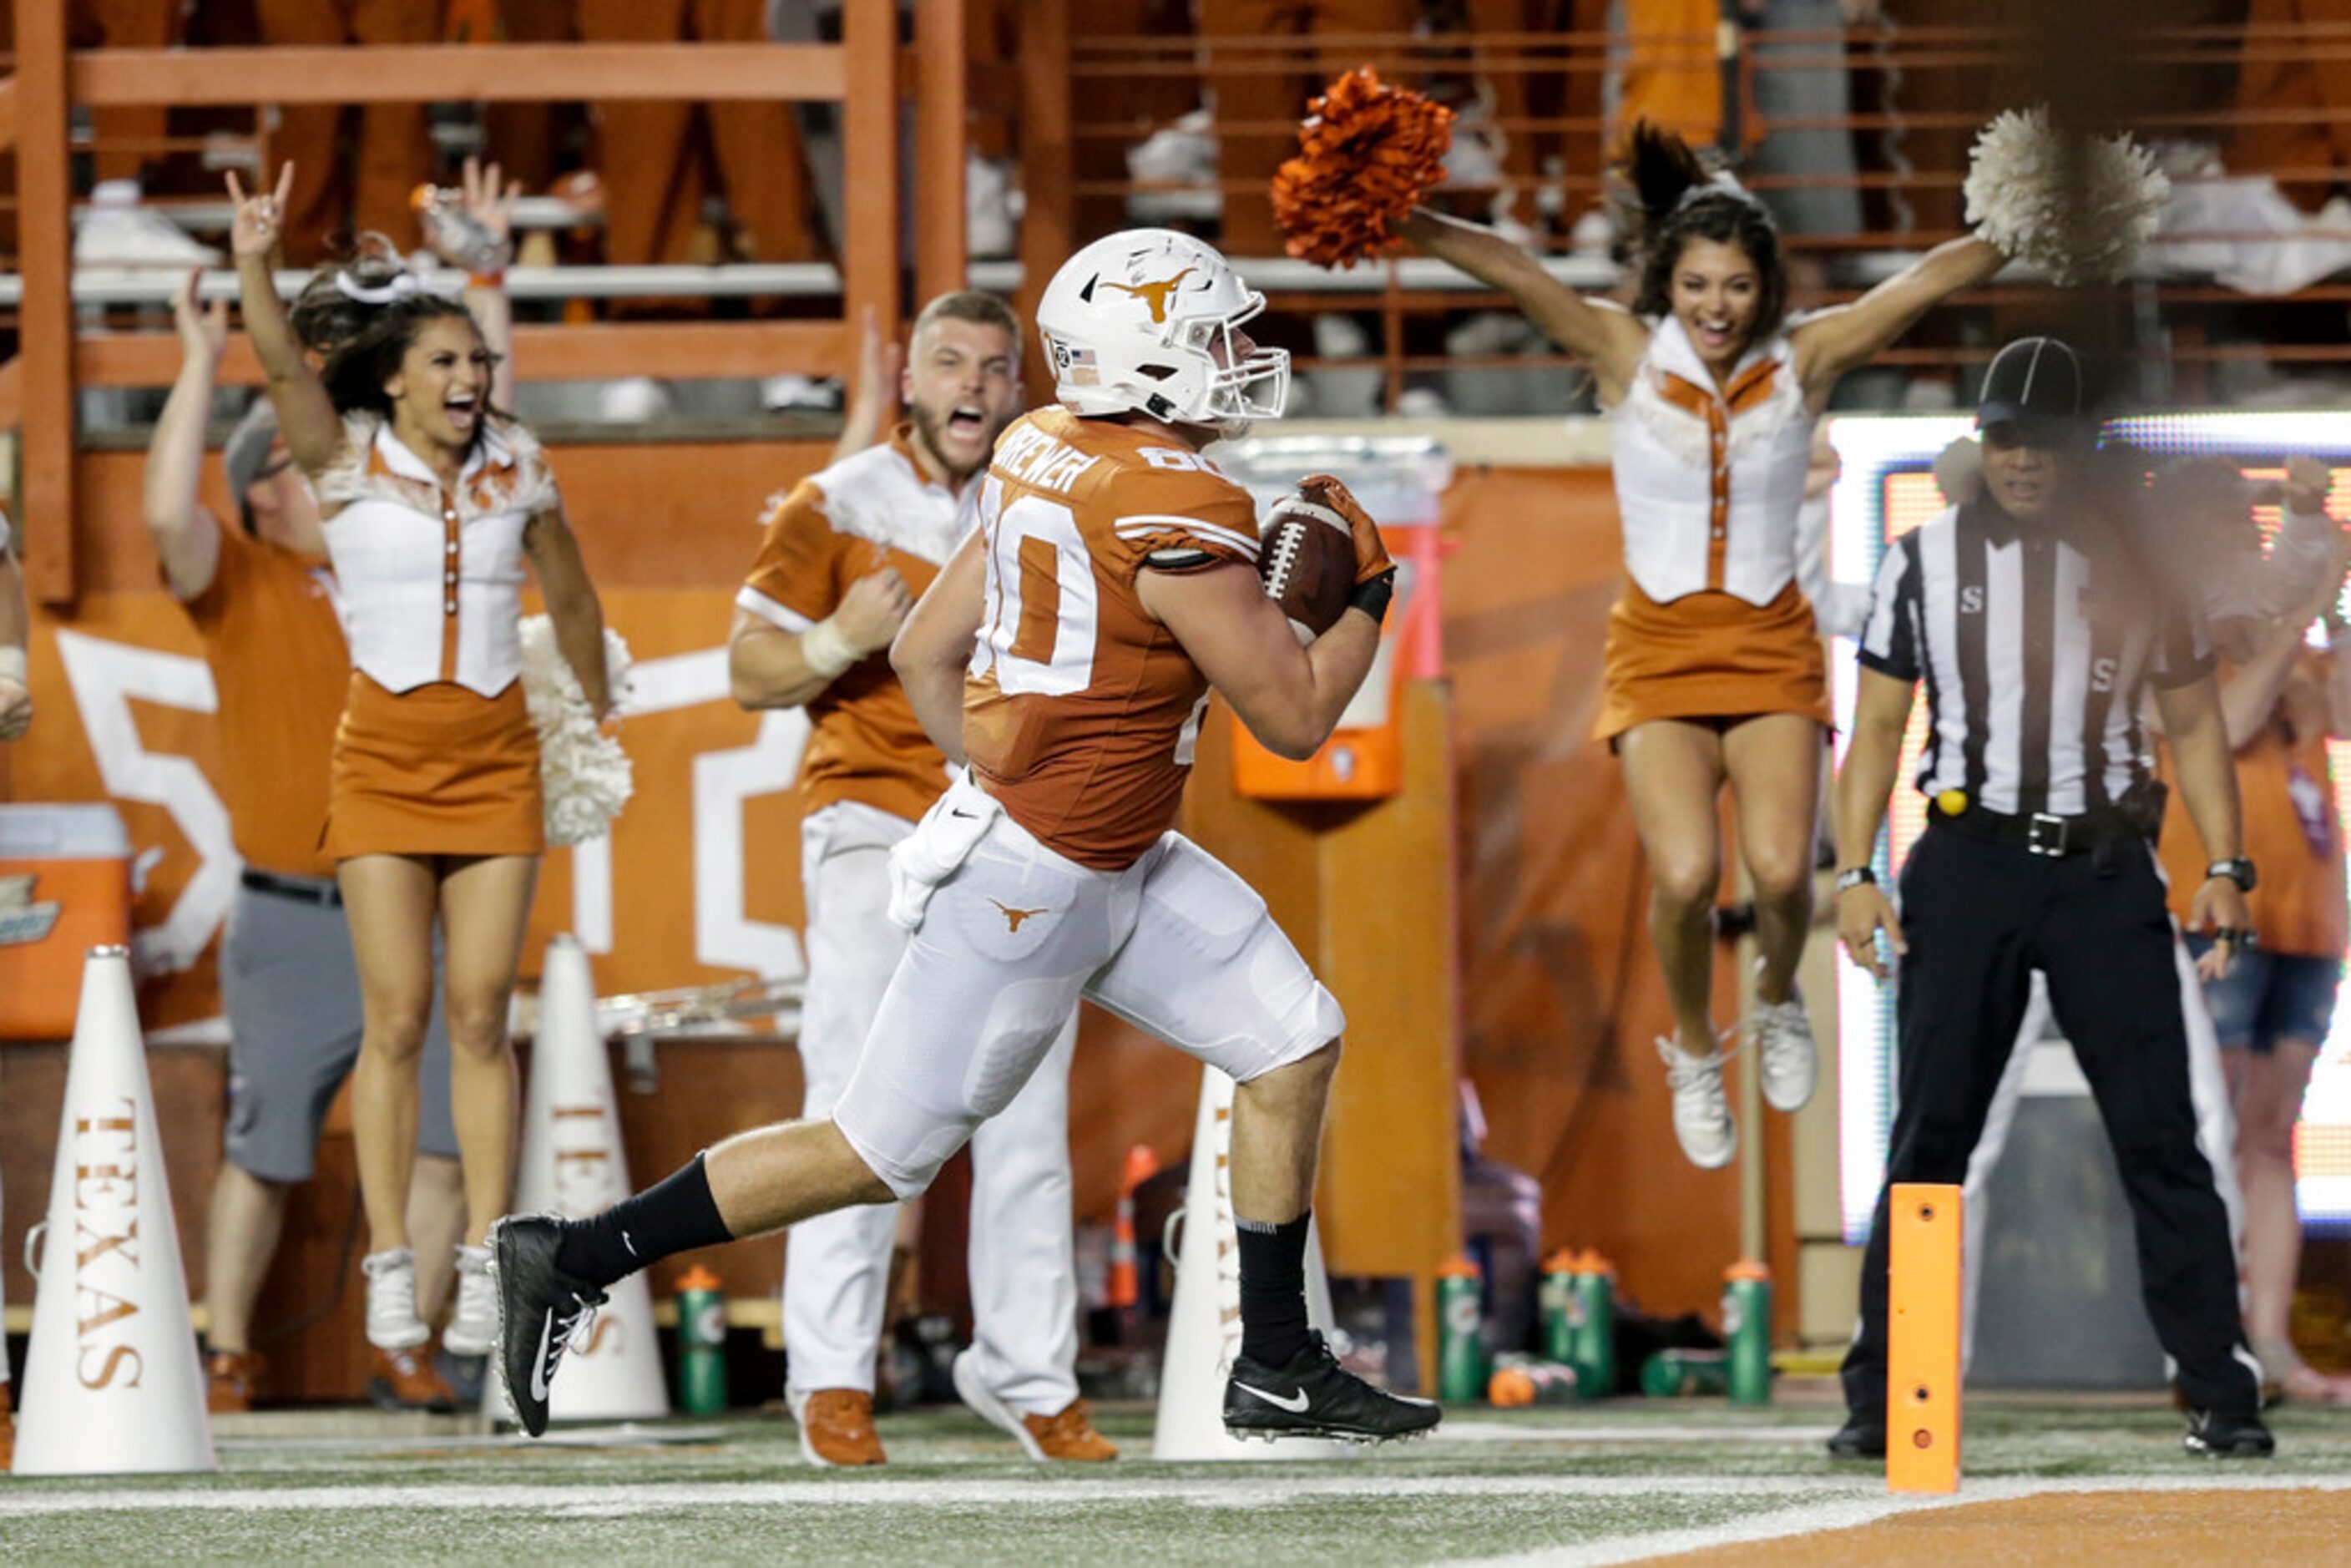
{"points": [[1610, 1483]]}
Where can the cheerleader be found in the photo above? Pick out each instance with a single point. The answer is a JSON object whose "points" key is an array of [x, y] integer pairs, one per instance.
{"points": [[1714, 671], [431, 500]]}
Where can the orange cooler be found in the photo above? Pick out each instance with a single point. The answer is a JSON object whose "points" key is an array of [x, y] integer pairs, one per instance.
{"points": [[65, 888]]}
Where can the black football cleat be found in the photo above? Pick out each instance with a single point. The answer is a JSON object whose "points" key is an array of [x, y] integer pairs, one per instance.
{"points": [[540, 1310], [1858, 1439], [2219, 1435], [1314, 1397]]}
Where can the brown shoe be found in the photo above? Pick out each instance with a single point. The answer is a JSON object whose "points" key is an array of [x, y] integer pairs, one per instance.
{"points": [[1069, 1436], [407, 1380], [837, 1428], [229, 1377], [7, 1432]]}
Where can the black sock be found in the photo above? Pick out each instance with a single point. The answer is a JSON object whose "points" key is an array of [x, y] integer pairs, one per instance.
{"points": [[677, 1215], [1273, 1289]]}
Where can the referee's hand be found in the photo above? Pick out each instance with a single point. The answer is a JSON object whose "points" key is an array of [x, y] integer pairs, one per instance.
{"points": [[2219, 907], [1863, 912]]}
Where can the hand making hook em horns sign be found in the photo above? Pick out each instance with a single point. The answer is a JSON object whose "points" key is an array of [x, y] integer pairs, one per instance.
{"points": [[254, 230]]}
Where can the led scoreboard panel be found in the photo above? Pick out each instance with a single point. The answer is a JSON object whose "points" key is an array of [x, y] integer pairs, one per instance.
{"points": [[1887, 488]]}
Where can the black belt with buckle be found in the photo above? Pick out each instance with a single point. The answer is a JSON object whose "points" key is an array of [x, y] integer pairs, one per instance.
{"points": [[304, 890], [2038, 831]]}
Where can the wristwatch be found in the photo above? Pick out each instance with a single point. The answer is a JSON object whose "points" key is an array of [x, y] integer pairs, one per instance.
{"points": [[2239, 871], [1853, 877]]}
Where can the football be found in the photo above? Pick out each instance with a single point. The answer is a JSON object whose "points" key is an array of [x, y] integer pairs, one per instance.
{"points": [[1307, 559]]}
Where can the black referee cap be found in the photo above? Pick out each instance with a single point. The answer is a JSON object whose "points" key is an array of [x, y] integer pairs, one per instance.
{"points": [[2035, 382]]}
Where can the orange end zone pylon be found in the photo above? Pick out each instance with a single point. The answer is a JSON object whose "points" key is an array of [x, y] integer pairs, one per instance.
{"points": [[1922, 1361]]}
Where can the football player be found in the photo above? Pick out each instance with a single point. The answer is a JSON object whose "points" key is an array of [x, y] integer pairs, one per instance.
{"points": [[1066, 654], [844, 553]]}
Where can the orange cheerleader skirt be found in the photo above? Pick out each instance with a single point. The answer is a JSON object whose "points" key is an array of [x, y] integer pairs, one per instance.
{"points": [[438, 770], [1711, 655]]}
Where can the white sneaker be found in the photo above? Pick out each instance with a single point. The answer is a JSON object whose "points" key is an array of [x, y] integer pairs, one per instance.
{"points": [[1701, 1113], [473, 1328], [1789, 1061], [391, 1320], [116, 231]]}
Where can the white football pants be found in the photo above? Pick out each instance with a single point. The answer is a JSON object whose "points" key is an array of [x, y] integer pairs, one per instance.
{"points": [[1024, 1289]]}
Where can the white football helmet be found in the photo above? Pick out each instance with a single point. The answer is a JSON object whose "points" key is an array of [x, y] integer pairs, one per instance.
{"points": [[1142, 321]]}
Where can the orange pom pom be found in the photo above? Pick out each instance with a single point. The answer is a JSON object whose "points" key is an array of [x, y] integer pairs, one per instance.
{"points": [[1366, 152]]}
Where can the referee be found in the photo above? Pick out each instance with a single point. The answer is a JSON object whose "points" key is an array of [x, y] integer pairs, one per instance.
{"points": [[2038, 632]]}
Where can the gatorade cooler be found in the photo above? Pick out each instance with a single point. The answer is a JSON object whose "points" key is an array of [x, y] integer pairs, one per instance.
{"points": [[65, 888]]}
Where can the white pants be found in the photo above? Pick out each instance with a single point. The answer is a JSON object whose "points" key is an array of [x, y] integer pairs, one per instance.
{"points": [[2208, 1087], [836, 1267], [1008, 935]]}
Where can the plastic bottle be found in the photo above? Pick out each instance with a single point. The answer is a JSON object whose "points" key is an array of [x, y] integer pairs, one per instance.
{"points": [[701, 1344], [1747, 1331], [459, 236], [1591, 1312], [1558, 1286], [1678, 1373], [1521, 1380], [1460, 1343]]}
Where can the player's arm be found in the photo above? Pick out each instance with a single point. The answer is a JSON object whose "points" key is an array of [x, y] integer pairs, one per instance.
{"points": [[1290, 696], [314, 432], [571, 604], [1849, 336], [186, 536], [873, 392], [1600, 332], [15, 628], [770, 666], [934, 647]]}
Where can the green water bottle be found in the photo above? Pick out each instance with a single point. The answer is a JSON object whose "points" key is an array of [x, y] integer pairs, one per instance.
{"points": [[1460, 1345], [1557, 1290], [701, 1344], [1747, 1331], [1679, 1374], [1592, 1319]]}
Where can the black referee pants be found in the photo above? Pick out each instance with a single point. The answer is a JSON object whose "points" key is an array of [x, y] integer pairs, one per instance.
{"points": [[1980, 917]]}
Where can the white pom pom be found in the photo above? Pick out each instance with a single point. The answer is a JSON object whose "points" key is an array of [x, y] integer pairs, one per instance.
{"points": [[585, 774], [2079, 212]]}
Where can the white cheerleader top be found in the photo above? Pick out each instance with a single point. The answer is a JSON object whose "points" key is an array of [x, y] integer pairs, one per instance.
{"points": [[431, 582], [1709, 480]]}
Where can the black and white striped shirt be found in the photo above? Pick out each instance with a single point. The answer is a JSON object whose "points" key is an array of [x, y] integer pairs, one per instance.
{"points": [[2036, 641]]}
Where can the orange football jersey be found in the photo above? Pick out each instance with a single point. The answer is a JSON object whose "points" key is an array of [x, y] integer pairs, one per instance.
{"points": [[865, 512], [1080, 711]]}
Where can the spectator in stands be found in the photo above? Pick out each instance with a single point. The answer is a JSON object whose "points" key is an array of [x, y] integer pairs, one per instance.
{"points": [[656, 158], [2303, 97], [2271, 1011], [1806, 80], [431, 501], [1715, 671], [1272, 104], [15, 624], [367, 186]]}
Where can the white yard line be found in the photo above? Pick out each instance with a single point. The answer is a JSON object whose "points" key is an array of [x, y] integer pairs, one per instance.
{"points": [[1237, 1488], [1626, 1432], [1852, 1513]]}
